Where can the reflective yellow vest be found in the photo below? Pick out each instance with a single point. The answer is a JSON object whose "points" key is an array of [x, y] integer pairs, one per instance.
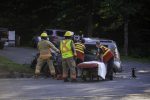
{"points": [[79, 47], [65, 48]]}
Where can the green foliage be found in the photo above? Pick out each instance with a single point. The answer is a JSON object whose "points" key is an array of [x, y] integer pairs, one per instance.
{"points": [[139, 59], [66, 14], [117, 11], [30, 17]]}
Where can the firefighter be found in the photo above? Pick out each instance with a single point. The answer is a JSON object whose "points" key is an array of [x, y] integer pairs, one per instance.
{"points": [[44, 47], [106, 55], [68, 53], [80, 48]]}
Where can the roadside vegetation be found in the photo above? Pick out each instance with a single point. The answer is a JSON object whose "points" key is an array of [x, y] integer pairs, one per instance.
{"points": [[7, 65], [138, 59]]}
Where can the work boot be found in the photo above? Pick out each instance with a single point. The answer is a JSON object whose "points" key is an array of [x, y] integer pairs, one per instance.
{"points": [[54, 76], [59, 77], [66, 80]]}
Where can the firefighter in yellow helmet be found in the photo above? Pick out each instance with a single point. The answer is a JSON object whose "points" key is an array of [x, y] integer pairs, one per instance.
{"points": [[68, 53], [44, 47]]}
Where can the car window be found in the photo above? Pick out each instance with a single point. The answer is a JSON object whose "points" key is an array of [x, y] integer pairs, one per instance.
{"points": [[90, 49], [60, 33]]}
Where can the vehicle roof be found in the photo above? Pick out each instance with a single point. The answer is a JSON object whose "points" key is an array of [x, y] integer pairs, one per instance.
{"points": [[107, 42], [89, 40], [55, 30]]}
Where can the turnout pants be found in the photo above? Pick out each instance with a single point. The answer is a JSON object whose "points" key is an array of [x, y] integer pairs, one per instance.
{"points": [[109, 74], [40, 63], [69, 63]]}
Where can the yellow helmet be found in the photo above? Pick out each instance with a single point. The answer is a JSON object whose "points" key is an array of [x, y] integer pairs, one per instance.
{"points": [[68, 33], [44, 34]]}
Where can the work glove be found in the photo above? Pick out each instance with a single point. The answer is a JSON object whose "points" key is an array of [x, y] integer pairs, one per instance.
{"points": [[58, 51], [75, 54]]}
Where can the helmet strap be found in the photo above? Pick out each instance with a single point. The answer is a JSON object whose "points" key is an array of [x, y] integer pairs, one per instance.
{"points": [[44, 38]]}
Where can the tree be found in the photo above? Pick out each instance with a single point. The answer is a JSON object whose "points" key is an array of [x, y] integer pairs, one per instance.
{"points": [[121, 10]]}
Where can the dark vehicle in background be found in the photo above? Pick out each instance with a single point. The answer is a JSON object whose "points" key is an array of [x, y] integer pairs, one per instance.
{"points": [[55, 35], [55, 32], [91, 50]]}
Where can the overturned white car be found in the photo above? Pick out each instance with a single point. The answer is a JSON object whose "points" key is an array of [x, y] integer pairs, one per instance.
{"points": [[90, 43], [92, 65]]}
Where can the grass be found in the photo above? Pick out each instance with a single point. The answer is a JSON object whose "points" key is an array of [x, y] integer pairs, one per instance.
{"points": [[139, 59], [7, 65]]}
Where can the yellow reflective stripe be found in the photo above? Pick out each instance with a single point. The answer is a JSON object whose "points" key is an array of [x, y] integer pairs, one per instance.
{"points": [[79, 44], [104, 48], [68, 44], [106, 52], [79, 47], [79, 50]]}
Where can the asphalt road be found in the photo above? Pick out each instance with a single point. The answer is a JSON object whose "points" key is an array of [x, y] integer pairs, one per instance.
{"points": [[123, 87]]}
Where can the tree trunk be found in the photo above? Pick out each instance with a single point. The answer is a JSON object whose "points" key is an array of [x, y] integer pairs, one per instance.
{"points": [[126, 36], [90, 17], [90, 25]]}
